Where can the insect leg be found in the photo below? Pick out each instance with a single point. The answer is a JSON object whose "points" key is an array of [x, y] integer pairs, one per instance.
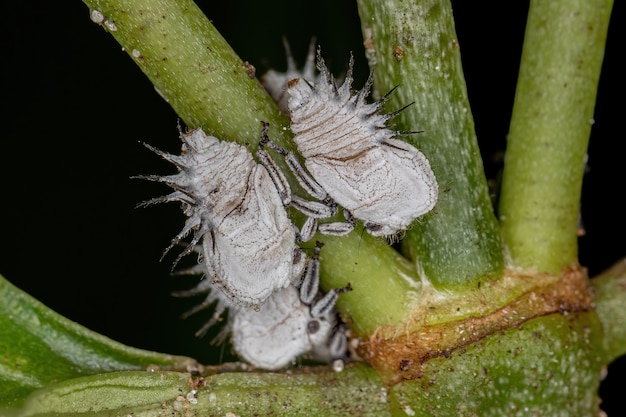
{"points": [[338, 228], [305, 180], [299, 264], [308, 230], [275, 173], [338, 345], [313, 209], [326, 304], [311, 282], [335, 228]]}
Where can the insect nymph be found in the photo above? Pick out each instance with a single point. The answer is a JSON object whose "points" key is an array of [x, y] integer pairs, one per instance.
{"points": [[353, 156], [291, 323], [284, 329], [235, 211], [249, 255]]}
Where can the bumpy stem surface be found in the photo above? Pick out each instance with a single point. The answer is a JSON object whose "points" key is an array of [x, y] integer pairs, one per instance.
{"points": [[610, 300], [550, 126], [414, 45]]}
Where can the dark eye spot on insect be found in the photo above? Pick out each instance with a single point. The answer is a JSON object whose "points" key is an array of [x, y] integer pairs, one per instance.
{"points": [[313, 326], [372, 227]]}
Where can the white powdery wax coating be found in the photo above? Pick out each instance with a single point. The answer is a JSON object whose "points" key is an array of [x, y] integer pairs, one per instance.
{"points": [[280, 331], [96, 16], [382, 181], [284, 328], [233, 206]]}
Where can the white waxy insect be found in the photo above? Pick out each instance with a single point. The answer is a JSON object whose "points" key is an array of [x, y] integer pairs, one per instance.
{"points": [[292, 323], [235, 211], [276, 82], [284, 328], [353, 156]]}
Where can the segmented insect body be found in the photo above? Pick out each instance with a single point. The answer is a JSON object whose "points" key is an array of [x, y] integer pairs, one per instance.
{"points": [[280, 331], [350, 152], [283, 329], [235, 210]]}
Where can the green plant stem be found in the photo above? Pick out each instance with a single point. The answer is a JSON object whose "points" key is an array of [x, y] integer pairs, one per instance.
{"points": [[413, 45], [609, 290], [355, 391], [192, 67], [382, 295], [549, 133], [548, 367], [38, 347]]}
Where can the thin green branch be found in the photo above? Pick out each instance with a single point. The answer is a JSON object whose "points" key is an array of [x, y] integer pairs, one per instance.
{"points": [[414, 45], [549, 133]]}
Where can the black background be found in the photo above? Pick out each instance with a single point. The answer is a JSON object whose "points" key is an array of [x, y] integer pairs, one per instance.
{"points": [[75, 108]]}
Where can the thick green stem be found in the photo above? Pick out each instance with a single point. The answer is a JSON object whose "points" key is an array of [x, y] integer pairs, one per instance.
{"points": [[547, 367], [414, 45], [355, 391], [382, 280], [192, 67], [549, 133]]}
